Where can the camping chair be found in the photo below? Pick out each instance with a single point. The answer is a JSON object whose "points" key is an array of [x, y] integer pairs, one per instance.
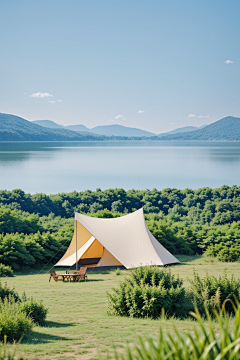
{"points": [[54, 275], [76, 278], [82, 273]]}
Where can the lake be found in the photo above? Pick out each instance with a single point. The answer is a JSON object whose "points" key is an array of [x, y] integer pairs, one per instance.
{"points": [[53, 167]]}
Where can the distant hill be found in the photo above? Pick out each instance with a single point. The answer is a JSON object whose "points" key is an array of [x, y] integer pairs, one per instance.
{"points": [[183, 129], [227, 128], [77, 128], [119, 130], [47, 123], [107, 130], [15, 128]]}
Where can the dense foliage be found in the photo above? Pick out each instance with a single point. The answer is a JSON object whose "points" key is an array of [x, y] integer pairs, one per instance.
{"points": [[213, 291], [33, 228], [35, 311], [5, 271], [14, 323], [223, 252], [18, 314], [204, 342], [6, 291], [148, 290]]}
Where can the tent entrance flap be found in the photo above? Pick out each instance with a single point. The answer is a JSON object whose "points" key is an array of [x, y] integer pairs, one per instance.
{"points": [[83, 235], [108, 260], [71, 260]]}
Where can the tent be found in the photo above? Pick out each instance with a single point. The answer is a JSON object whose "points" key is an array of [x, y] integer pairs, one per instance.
{"points": [[123, 241]]}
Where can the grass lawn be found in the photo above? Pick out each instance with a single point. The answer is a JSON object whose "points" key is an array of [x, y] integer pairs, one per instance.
{"points": [[78, 326]]}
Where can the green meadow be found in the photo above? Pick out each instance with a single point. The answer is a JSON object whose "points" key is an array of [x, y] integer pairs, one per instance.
{"points": [[78, 326]]}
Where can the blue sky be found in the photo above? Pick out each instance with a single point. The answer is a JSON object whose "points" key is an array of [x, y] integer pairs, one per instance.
{"points": [[104, 61]]}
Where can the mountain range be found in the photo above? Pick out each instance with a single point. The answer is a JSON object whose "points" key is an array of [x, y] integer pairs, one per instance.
{"points": [[111, 130], [107, 130], [15, 128], [227, 129]]}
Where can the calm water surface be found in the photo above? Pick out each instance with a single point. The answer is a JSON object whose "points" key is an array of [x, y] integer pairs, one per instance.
{"points": [[53, 167]]}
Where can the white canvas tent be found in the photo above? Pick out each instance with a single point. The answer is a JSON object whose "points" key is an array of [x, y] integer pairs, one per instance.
{"points": [[123, 241]]}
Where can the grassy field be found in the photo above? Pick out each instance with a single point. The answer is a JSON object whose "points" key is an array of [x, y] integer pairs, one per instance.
{"points": [[78, 326]]}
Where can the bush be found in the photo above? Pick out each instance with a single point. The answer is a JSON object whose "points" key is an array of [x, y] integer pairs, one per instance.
{"points": [[202, 343], [32, 308], [223, 253], [5, 291], [213, 291], [146, 291], [35, 310], [5, 271], [14, 323]]}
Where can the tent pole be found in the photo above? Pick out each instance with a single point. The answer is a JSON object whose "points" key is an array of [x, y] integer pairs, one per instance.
{"points": [[76, 246]]}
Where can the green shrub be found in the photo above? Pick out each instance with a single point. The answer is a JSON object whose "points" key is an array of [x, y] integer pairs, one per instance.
{"points": [[35, 310], [5, 291], [5, 271], [202, 343], [213, 291], [14, 323], [229, 254], [146, 291], [223, 253]]}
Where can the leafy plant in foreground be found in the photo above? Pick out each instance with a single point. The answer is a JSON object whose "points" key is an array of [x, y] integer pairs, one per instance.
{"points": [[213, 291], [7, 353], [14, 323], [203, 343]]}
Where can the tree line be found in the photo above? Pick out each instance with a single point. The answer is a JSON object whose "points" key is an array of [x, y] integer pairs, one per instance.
{"points": [[33, 228]]}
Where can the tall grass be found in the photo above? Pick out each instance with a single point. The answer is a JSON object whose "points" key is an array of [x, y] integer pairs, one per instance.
{"points": [[7, 353], [14, 323], [213, 291], [203, 343]]}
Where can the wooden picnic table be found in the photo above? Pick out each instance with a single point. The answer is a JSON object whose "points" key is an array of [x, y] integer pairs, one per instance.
{"points": [[75, 276], [69, 277]]}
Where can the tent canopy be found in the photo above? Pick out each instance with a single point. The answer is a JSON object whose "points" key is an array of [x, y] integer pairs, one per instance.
{"points": [[123, 241]]}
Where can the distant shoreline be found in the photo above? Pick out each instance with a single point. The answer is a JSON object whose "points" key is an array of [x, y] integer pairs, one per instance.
{"points": [[112, 140]]}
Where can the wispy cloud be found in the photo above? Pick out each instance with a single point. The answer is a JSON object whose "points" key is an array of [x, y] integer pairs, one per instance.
{"points": [[52, 102], [191, 115], [172, 123], [59, 100], [111, 120], [119, 117], [229, 62], [141, 111], [41, 95], [200, 116], [207, 116]]}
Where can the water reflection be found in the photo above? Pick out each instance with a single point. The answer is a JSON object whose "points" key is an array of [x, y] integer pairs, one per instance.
{"points": [[65, 166]]}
